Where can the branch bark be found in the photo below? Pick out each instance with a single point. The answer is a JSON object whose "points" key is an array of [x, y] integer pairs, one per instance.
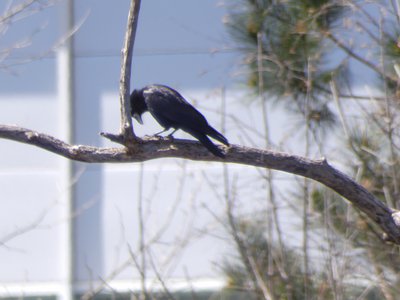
{"points": [[126, 128], [150, 148]]}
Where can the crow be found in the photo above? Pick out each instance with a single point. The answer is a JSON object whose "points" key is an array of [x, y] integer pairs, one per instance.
{"points": [[171, 110]]}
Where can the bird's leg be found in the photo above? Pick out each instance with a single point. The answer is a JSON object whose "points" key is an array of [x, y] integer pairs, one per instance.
{"points": [[158, 133], [170, 135]]}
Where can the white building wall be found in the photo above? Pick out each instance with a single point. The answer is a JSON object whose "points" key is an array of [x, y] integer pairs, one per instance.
{"points": [[182, 201], [33, 219]]}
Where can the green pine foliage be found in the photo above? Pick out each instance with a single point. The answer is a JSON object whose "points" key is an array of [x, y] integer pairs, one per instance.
{"points": [[296, 49], [295, 52]]}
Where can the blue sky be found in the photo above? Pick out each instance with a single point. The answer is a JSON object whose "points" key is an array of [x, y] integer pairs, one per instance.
{"points": [[181, 44]]}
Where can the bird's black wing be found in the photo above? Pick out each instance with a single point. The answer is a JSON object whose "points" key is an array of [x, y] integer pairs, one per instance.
{"points": [[170, 109]]}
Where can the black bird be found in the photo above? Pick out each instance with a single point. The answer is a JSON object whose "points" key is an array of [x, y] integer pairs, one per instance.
{"points": [[171, 110]]}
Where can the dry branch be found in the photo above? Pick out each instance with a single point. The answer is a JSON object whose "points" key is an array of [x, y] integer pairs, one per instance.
{"points": [[126, 128], [153, 147]]}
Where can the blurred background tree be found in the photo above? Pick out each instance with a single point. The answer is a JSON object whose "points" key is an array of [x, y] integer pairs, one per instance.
{"points": [[334, 67]]}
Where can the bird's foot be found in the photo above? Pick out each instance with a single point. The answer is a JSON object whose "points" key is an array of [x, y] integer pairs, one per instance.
{"points": [[169, 137], [153, 137], [160, 137]]}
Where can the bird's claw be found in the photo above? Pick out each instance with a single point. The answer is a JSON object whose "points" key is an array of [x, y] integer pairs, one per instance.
{"points": [[154, 136], [160, 137]]}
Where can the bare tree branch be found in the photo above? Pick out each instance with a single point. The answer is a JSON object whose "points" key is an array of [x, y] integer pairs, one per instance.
{"points": [[25, 7], [126, 129], [358, 57], [153, 147]]}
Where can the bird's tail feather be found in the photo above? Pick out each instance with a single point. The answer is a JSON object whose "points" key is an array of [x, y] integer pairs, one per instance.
{"points": [[207, 143], [216, 135]]}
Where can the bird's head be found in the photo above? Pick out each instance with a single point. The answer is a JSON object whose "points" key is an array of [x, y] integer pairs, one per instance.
{"points": [[138, 105]]}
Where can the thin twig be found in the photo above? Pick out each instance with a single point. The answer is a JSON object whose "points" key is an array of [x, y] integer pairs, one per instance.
{"points": [[356, 56]]}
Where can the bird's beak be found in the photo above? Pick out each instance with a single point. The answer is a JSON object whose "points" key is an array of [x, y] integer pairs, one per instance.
{"points": [[138, 118]]}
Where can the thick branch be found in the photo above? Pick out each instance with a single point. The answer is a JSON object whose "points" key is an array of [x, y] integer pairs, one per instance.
{"points": [[126, 129], [152, 148]]}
